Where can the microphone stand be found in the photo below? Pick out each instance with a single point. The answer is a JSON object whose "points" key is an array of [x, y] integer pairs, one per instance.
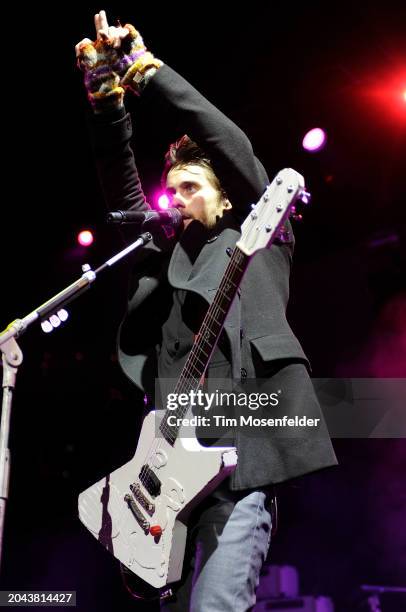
{"points": [[12, 358]]}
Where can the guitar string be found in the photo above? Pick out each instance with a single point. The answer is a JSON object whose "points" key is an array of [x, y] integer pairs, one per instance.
{"points": [[183, 382], [237, 257], [188, 376], [156, 443], [195, 351]]}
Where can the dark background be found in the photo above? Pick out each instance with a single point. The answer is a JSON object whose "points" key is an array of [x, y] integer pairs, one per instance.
{"points": [[277, 70]]}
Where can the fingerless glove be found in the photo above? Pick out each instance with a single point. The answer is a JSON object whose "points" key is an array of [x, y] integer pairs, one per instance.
{"points": [[97, 60], [136, 65]]}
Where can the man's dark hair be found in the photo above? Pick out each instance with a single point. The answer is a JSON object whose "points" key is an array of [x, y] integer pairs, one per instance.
{"points": [[185, 152]]}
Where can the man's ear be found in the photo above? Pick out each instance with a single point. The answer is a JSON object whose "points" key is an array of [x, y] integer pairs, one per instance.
{"points": [[227, 204]]}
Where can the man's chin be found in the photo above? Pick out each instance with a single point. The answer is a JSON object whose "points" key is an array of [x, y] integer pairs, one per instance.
{"points": [[187, 221]]}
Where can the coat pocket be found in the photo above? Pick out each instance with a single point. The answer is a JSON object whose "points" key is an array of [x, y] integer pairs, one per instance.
{"points": [[275, 347]]}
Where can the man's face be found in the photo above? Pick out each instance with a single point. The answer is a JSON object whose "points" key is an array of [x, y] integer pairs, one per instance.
{"points": [[192, 192]]}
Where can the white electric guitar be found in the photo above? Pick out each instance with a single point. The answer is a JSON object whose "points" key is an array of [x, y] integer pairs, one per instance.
{"points": [[139, 511]]}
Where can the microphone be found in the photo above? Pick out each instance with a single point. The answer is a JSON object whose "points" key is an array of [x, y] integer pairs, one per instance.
{"points": [[170, 216]]}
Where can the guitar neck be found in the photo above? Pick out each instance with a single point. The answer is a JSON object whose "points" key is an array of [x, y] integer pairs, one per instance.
{"points": [[209, 332], [207, 338]]}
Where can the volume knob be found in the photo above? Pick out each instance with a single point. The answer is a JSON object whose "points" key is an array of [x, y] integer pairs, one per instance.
{"points": [[155, 530]]}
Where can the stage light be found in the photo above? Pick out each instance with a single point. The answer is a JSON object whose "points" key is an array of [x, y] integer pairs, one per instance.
{"points": [[63, 314], [55, 320], [163, 201], [46, 326], [85, 238], [385, 96], [314, 140]]}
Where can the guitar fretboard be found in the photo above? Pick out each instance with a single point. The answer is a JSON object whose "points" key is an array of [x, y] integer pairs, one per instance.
{"points": [[206, 340]]}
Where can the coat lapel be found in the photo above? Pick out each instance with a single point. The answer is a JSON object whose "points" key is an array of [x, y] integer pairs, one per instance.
{"points": [[198, 263]]}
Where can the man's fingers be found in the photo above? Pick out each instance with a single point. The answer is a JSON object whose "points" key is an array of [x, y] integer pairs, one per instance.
{"points": [[116, 35], [101, 24], [102, 35], [123, 32], [113, 35], [117, 32], [97, 23], [104, 32], [103, 20]]}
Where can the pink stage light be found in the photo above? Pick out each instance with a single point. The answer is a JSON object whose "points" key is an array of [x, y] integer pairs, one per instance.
{"points": [[314, 140], [85, 238], [163, 201]]}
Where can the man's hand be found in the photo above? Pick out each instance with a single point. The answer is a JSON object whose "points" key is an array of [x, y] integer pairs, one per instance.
{"points": [[114, 34], [110, 36], [134, 63], [117, 58], [99, 60]]}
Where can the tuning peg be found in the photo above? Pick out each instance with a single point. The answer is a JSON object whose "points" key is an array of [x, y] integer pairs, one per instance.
{"points": [[297, 217], [284, 235], [305, 196]]}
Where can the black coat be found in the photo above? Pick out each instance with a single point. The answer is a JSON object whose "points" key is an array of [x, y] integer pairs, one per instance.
{"points": [[257, 339]]}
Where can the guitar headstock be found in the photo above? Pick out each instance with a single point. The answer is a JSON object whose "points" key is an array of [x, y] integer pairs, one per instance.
{"points": [[266, 219]]}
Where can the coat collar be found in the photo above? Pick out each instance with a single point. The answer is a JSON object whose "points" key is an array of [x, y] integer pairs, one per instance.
{"points": [[200, 258]]}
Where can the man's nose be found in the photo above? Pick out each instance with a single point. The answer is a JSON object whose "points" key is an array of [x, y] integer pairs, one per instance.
{"points": [[177, 200]]}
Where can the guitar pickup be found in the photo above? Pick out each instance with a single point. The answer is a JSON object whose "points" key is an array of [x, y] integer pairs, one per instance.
{"points": [[141, 499], [141, 520], [150, 481]]}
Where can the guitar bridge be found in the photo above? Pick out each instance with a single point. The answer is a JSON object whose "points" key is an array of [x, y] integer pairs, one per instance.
{"points": [[141, 499], [141, 520]]}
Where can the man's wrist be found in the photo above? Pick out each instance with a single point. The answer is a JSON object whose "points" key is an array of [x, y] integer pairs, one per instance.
{"points": [[104, 102], [143, 79], [137, 77]]}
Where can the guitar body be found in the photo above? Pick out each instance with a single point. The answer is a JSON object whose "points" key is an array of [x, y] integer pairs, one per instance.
{"points": [[120, 509]]}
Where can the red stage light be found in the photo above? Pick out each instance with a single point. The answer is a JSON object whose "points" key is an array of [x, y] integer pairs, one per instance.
{"points": [[387, 95]]}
